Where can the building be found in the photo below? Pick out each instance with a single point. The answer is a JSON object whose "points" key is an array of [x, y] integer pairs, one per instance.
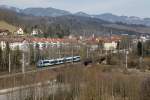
{"points": [[14, 43], [20, 31], [3, 44], [144, 38], [109, 43], [4, 32], [112, 45], [36, 32], [22, 44], [45, 42]]}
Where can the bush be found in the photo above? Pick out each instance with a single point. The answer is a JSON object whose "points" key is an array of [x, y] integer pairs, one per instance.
{"points": [[145, 89], [132, 64]]}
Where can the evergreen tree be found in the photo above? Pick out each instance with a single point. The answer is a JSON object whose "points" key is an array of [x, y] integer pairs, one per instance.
{"points": [[118, 45], [1, 58], [37, 53], [16, 58], [7, 52], [139, 48], [32, 61]]}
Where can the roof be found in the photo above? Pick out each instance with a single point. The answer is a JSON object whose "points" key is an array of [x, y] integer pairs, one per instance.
{"points": [[12, 40], [49, 40], [107, 39], [3, 30], [31, 40]]}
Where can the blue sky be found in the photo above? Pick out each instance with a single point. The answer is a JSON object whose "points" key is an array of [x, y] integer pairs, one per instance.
{"points": [[120, 7]]}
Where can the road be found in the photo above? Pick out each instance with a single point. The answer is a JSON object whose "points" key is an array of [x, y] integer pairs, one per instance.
{"points": [[39, 89]]}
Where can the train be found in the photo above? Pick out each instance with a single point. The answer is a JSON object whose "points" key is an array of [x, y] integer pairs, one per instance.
{"points": [[58, 61]]}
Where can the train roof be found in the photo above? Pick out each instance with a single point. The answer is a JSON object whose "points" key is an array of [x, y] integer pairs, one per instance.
{"points": [[76, 56], [60, 59], [47, 60]]}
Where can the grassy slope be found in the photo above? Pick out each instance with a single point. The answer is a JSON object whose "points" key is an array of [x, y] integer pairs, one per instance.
{"points": [[4, 25]]}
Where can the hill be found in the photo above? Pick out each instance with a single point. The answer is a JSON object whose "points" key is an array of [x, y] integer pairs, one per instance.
{"points": [[5, 25], [68, 24], [51, 12], [124, 19]]}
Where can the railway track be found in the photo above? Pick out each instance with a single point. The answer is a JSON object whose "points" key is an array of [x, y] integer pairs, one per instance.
{"points": [[51, 67], [36, 70]]}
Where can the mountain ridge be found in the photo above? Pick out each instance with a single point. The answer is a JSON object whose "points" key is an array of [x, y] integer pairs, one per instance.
{"points": [[74, 24], [53, 12]]}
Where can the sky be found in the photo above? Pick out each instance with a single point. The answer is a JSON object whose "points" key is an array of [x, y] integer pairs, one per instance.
{"points": [[140, 8]]}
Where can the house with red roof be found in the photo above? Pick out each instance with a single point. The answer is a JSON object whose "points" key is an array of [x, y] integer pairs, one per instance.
{"points": [[110, 43], [4, 32]]}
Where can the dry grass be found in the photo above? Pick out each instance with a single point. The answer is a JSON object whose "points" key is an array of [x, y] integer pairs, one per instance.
{"points": [[94, 82], [27, 79], [4, 25]]}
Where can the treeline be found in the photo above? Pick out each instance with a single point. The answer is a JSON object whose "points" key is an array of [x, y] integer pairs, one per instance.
{"points": [[14, 58], [53, 31], [10, 58]]}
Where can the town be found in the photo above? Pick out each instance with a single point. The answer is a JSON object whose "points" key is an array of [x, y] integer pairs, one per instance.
{"points": [[20, 53]]}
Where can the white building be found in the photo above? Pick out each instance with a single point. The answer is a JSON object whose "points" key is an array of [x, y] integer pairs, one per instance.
{"points": [[4, 32], [23, 46], [110, 45], [20, 31], [36, 32], [2, 45], [144, 38]]}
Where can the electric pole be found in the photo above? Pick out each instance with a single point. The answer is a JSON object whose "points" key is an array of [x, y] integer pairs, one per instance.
{"points": [[72, 52], [23, 63], [87, 51], [126, 59], [9, 63]]}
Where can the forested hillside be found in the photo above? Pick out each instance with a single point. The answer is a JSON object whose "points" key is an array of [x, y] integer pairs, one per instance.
{"points": [[64, 25]]}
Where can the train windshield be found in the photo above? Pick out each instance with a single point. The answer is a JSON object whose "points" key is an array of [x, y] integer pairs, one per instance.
{"points": [[45, 62]]}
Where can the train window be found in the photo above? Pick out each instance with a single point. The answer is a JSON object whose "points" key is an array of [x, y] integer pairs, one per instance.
{"points": [[74, 58], [53, 62], [56, 61], [60, 60], [46, 62]]}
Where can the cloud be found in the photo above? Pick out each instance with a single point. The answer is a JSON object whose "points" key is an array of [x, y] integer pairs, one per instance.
{"points": [[25, 3]]}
